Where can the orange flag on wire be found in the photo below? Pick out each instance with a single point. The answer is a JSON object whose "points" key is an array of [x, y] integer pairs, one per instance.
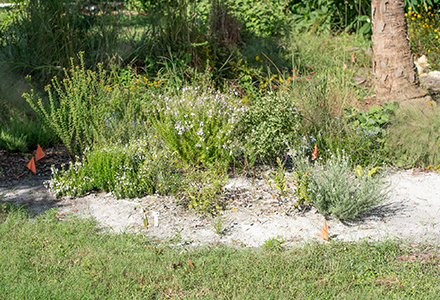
{"points": [[191, 264], [324, 232], [315, 152], [40, 153], [31, 165], [353, 59]]}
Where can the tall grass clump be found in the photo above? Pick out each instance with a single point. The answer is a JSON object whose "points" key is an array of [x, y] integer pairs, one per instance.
{"points": [[335, 187], [21, 134], [414, 136], [198, 124], [142, 167]]}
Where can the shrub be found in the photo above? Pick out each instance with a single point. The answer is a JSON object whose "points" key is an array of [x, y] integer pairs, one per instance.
{"points": [[198, 124], [423, 32], [142, 167], [271, 122], [78, 106], [414, 136], [335, 188]]}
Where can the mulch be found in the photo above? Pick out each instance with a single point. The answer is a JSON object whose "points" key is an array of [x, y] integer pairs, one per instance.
{"points": [[13, 166]]}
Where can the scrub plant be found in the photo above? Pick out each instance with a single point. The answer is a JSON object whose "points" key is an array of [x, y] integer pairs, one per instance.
{"points": [[335, 188], [414, 136], [77, 106], [201, 188], [279, 178], [424, 32], [143, 166], [270, 123], [22, 134], [199, 124]]}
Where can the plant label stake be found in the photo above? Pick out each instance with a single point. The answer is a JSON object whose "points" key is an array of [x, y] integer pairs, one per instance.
{"points": [[156, 219]]}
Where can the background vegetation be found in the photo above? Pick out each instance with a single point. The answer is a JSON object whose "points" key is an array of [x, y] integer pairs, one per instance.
{"points": [[213, 83]]}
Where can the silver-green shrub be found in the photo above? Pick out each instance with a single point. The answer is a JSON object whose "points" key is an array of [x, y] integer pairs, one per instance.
{"points": [[334, 187]]}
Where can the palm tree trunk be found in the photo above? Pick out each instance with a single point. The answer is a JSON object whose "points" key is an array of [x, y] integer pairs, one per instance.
{"points": [[393, 61]]}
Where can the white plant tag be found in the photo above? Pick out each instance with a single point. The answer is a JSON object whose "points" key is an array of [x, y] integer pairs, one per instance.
{"points": [[156, 218]]}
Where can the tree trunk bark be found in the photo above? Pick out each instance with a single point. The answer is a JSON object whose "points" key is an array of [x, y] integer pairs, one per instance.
{"points": [[393, 61]]}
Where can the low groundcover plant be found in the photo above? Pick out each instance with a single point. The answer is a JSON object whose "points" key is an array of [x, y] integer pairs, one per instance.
{"points": [[142, 167]]}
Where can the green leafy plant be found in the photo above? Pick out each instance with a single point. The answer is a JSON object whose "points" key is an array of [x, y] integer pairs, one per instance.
{"points": [[270, 123], [301, 176], [279, 177], [77, 106], [261, 18], [218, 221], [274, 244], [142, 167], [201, 188], [335, 188], [199, 124], [23, 134], [43, 49]]}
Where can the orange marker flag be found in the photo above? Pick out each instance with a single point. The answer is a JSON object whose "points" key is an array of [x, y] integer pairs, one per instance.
{"points": [[191, 264], [31, 165], [353, 59], [40, 153], [324, 232], [344, 67], [315, 152]]}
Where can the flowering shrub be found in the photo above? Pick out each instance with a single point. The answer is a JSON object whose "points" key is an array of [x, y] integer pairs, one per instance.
{"points": [[139, 168], [199, 124]]}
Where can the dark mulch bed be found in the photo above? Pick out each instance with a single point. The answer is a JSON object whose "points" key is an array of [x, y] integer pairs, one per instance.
{"points": [[13, 165]]}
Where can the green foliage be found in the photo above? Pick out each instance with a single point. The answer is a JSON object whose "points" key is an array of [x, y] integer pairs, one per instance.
{"points": [[330, 15], [78, 106], [301, 175], [423, 32], [335, 189], [218, 223], [22, 134], [139, 168], [201, 187], [198, 124], [261, 18], [270, 122], [274, 244], [414, 136], [279, 178]]}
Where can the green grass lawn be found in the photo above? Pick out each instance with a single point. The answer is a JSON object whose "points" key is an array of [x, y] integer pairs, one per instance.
{"points": [[49, 259]]}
